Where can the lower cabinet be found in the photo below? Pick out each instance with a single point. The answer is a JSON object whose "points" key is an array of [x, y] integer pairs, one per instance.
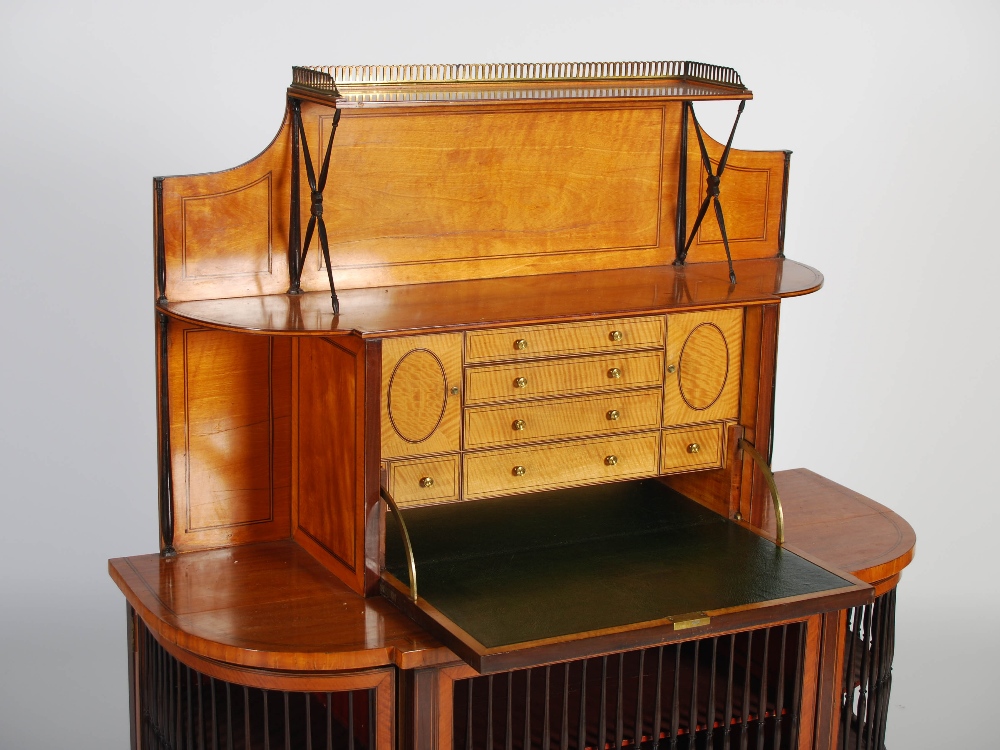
{"points": [[822, 682], [184, 702]]}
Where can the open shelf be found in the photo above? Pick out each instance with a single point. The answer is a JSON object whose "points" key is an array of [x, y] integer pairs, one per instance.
{"points": [[416, 308]]}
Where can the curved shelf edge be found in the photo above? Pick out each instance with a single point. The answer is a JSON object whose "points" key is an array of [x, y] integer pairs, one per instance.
{"points": [[242, 626], [843, 527], [485, 303]]}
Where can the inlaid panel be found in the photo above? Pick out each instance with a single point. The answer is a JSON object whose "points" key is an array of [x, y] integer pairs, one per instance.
{"points": [[558, 419], [563, 377], [752, 193], [703, 359], [216, 223], [422, 481], [457, 194], [330, 506], [230, 409], [509, 472], [225, 234], [527, 342], [691, 448], [420, 413]]}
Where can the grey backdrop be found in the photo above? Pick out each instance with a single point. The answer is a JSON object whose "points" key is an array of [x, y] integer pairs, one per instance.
{"points": [[886, 380]]}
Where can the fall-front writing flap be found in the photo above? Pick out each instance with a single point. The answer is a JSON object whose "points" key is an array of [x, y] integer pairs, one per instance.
{"points": [[515, 581]]}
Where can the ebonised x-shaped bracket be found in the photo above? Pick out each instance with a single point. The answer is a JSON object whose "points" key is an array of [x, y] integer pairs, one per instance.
{"points": [[712, 192]]}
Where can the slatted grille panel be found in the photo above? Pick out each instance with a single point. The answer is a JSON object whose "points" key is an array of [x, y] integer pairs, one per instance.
{"points": [[871, 638], [735, 692], [183, 709]]}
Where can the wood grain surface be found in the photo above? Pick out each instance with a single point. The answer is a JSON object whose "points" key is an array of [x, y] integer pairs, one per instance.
{"points": [[503, 302], [562, 377], [691, 448], [529, 342], [230, 422], [843, 527], [560, 419], [405, 477], [420, 415], [330, 493], [705, 350], [565, 464], [273, 606], [225, 234]]}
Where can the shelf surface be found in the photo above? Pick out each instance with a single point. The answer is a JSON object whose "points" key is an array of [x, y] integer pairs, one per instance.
{"points": [[272, 606], [419, 308], [506, 580]]}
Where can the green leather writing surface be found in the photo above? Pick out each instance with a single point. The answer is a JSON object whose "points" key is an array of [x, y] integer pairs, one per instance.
{"points": [[549, 564]]}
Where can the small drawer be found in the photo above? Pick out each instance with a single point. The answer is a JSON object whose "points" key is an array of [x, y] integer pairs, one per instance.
{"points": [[692, 448], [427, 480], [526, 342], [510, 472], [563, 377], [558, 419]]}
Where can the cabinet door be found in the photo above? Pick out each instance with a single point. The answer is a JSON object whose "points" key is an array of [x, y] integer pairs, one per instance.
{"points": [[704, 356], [421, 396]]}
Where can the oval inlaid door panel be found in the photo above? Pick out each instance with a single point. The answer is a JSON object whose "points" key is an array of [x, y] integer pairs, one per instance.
{"points": [[704, 361], [418, 395], [703, 366], [420, 413]]}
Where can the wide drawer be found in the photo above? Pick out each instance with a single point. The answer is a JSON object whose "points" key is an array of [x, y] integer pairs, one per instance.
{"points": [[533, 421], [508, 472], [563, 377], [691, 448], [427, 480], [525, 342]]}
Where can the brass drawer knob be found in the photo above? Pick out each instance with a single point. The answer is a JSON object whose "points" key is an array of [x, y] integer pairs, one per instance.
{"points": [[426, 482], [614, 373], [615, 335], [520, 382], [517, 471], [454, 390], [694, 448], [518, 425], [671, 369], [520, 345], [613, 415], [610, 460]]}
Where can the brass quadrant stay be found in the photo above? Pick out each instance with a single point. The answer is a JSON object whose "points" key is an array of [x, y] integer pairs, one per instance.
{"points": [[779, 516], [411, 562]]}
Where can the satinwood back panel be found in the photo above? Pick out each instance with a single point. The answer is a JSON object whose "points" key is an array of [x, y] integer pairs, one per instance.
{"points": [[230, 421], [466, 194], [463, 192]]}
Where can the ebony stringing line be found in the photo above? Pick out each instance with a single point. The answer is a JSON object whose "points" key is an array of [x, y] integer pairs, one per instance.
{"points": [[316, 187], [712, 193], [161, 263], [166, 482]]}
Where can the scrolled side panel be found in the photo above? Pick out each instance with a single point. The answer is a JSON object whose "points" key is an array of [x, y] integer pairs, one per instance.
{"points": [[225, 234], [752, 193]]}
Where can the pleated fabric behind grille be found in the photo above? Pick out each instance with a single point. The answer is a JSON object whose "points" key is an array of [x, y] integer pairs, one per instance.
{"points": [[183, 709], [736, 691], [868, 652]]}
